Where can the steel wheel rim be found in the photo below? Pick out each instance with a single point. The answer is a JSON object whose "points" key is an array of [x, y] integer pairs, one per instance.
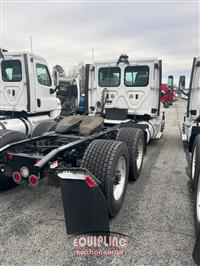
{"points": [[198, 201], [193, 163], [119, 184], [139, 154]]}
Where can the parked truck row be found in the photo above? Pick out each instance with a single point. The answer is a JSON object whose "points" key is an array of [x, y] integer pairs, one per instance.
{"points": [[93, 154]]}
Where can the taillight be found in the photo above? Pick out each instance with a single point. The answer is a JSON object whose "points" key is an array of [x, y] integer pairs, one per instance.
{"points": [[90, 182], [17, 177], [37, 161], [33, 180], [10, 157]]}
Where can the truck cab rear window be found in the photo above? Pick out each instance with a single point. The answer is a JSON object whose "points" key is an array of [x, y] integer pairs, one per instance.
{"points": [[11, 70], [43, 75], [109, 76], [136, 76]]}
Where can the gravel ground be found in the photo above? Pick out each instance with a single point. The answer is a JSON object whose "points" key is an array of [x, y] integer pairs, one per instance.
{"points": [[156, 215]]}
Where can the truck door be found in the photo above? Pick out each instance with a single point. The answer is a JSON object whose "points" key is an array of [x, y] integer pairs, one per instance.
{"points": [[193, 98], [136, 84], [109, 78], [13, 84], [46, 100]]}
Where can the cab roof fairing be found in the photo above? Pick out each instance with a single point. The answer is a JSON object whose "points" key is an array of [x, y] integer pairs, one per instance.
{"points": [[131, 61], [16, 54]]}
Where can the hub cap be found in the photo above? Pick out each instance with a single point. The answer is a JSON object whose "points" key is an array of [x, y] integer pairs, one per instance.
{"points": [[140, 152], [120, 177]]}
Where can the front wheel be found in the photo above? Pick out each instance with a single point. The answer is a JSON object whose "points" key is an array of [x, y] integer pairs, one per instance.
{"points": [[108, 161]]}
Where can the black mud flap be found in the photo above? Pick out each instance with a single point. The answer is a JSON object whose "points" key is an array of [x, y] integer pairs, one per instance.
{"points": [[196, 251], [85, 206]]}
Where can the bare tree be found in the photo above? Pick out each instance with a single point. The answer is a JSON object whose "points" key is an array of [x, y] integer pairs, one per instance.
{"points": [[81, 68], [60, 70], [78, 71], [73, 72]]}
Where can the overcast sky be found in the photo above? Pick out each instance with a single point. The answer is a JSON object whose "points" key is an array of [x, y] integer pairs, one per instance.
{"points": [[65, 33]]}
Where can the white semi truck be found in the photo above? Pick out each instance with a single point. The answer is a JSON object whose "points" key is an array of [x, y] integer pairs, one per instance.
{"points": [[28, 102], [191, 134], [127, 91], [92, 156]]}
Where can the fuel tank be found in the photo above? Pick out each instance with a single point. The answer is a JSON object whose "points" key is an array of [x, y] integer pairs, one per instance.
{"points": [[24, 125]]}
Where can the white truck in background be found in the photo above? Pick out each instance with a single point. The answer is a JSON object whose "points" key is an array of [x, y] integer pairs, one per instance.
{"points": [[28, 102], [127, 90], [191, 134]]}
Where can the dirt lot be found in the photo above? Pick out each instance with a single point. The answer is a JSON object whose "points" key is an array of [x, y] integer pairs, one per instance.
{"points": [[156, 215]]}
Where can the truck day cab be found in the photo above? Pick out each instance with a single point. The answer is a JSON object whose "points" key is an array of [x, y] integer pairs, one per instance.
{"points": [[27, 98], [191, 134], [92, 156]]}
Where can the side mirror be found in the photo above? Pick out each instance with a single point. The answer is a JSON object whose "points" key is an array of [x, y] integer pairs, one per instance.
{"points": [[52, 91], [170, 82], [181, 83]]}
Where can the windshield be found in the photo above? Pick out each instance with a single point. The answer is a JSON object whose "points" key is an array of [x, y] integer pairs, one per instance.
{"points": [[11, 70], [109, 76], [136, 76]]}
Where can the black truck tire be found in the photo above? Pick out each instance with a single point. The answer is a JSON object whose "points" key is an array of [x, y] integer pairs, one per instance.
{"points": [[195, 162], [7, 137], [43, 127], [134, 138], [197, 206], [195, 181], [108, 161]]}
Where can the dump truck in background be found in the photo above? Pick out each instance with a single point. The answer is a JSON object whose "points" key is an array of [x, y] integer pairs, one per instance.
{"points": [[68, 92]]}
